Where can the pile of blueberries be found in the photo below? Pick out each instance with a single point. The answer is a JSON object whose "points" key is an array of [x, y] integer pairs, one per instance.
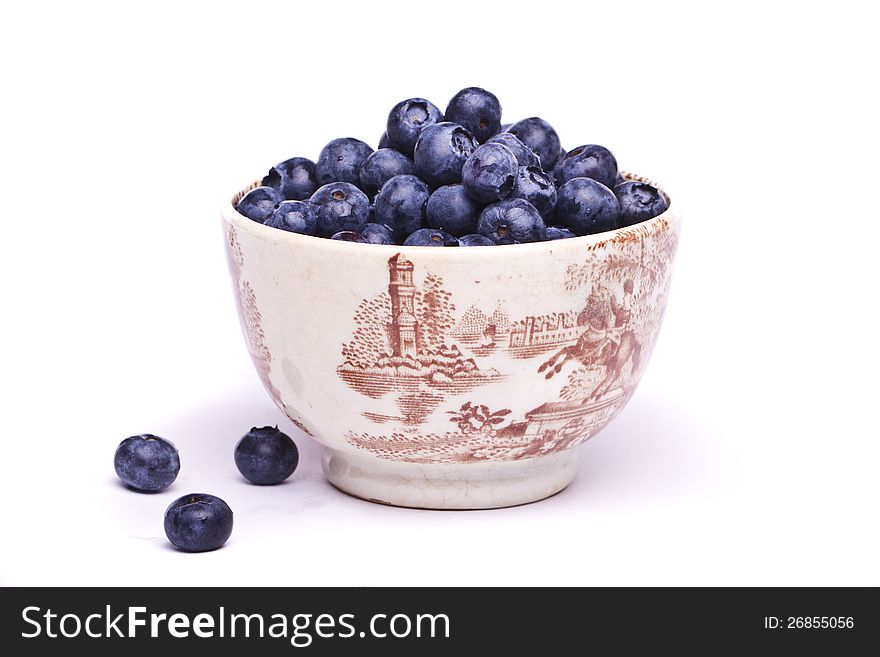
{"points": [[454, 179], [199, 522]]}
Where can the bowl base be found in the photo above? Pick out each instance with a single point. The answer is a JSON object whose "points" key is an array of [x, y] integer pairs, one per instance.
{"points": [[483, 485]]}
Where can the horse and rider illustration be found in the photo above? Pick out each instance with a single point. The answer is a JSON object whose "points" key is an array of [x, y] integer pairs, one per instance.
{"points": [[607, 341]]}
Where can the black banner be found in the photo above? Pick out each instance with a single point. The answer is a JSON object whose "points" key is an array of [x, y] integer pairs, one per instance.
{"points": [[435, 621]]}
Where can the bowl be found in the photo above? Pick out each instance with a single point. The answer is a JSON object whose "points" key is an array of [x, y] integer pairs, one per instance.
{"points": [[450, 378]]}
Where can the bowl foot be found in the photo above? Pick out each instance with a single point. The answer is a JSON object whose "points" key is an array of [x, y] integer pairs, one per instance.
{"points": [[484, 485]]}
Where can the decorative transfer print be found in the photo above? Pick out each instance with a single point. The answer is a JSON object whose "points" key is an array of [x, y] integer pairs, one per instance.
{"points": [[588, 358], [402, 344], [251, 320]]}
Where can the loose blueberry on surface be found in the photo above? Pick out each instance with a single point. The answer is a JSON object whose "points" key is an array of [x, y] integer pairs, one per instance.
{"points": [[450, 208], [524, 155], [380, 166], [400, 205], [266, 456], [540, 136], [341, 160], [638, 202], [407, 119], [293, 178], [198, 522], [536, 187], [295, 217], [384, 142], [512, 221], [559, 233], [259, 204], [378, 234], [146, 463], [586, 206], [349, 236], [477, 110], [441, 151], [489, 174], [340, 206], [589, 161], [430, 237], [475, 239]]}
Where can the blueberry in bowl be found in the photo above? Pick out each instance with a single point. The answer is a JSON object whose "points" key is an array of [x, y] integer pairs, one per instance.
{"points": [[453, 377]]}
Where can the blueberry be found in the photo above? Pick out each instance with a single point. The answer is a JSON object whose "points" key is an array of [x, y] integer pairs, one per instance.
{"points": [[540, 136], [384, 142], [341, 160], [505, 127], [259, 203], [619, 180], [406, 120], [536, 187], [340, 206], [380, 166], [512, 221], [198, 522], [377, 234], [524, 155], [266, 456], [559, 233], [349, 236], [450, 208], [430, 237], [294, 178], [590, 161], [475, 240], [441, 151], [295, 217], [146, 462], [477, 110], [586, 206], [490, 173], [638, 202], [400, 205]]}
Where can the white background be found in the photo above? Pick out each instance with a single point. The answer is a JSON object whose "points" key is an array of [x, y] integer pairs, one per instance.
{"points": [[749, 455]]}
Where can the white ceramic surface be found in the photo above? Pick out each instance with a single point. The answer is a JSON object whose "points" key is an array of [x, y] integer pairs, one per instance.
{"points": [[450, 378]]}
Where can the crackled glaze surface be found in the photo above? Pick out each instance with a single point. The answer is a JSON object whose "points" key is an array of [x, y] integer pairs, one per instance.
{"points": [[453, 378]]}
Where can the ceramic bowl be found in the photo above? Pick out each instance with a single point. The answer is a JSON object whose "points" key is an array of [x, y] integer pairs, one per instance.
{"points": [[450, 378]]}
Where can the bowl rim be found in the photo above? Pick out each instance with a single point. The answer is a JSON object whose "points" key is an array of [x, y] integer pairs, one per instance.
{"points": [[640, 230]]}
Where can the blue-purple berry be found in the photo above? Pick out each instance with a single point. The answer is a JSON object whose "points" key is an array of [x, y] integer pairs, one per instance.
{"points": [[378, 234], [380, 167], [586, 206], [266, 455], [341, 160], [477, 110], [589, 161], [638, 202], [440, 153], [294, 178], [512, 221], [430, 237], [198, 522], [536, 187], [260, 203], [401, 204], [524, 155], [340, 206], [559, 233], [407, 119], [295, 217], [540, 136], [451, 208], [475, 239], [489, 174], [146, 463]]}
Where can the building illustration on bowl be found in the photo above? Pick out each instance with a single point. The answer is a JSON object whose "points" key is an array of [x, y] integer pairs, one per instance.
{"points": [[403, 343]]}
